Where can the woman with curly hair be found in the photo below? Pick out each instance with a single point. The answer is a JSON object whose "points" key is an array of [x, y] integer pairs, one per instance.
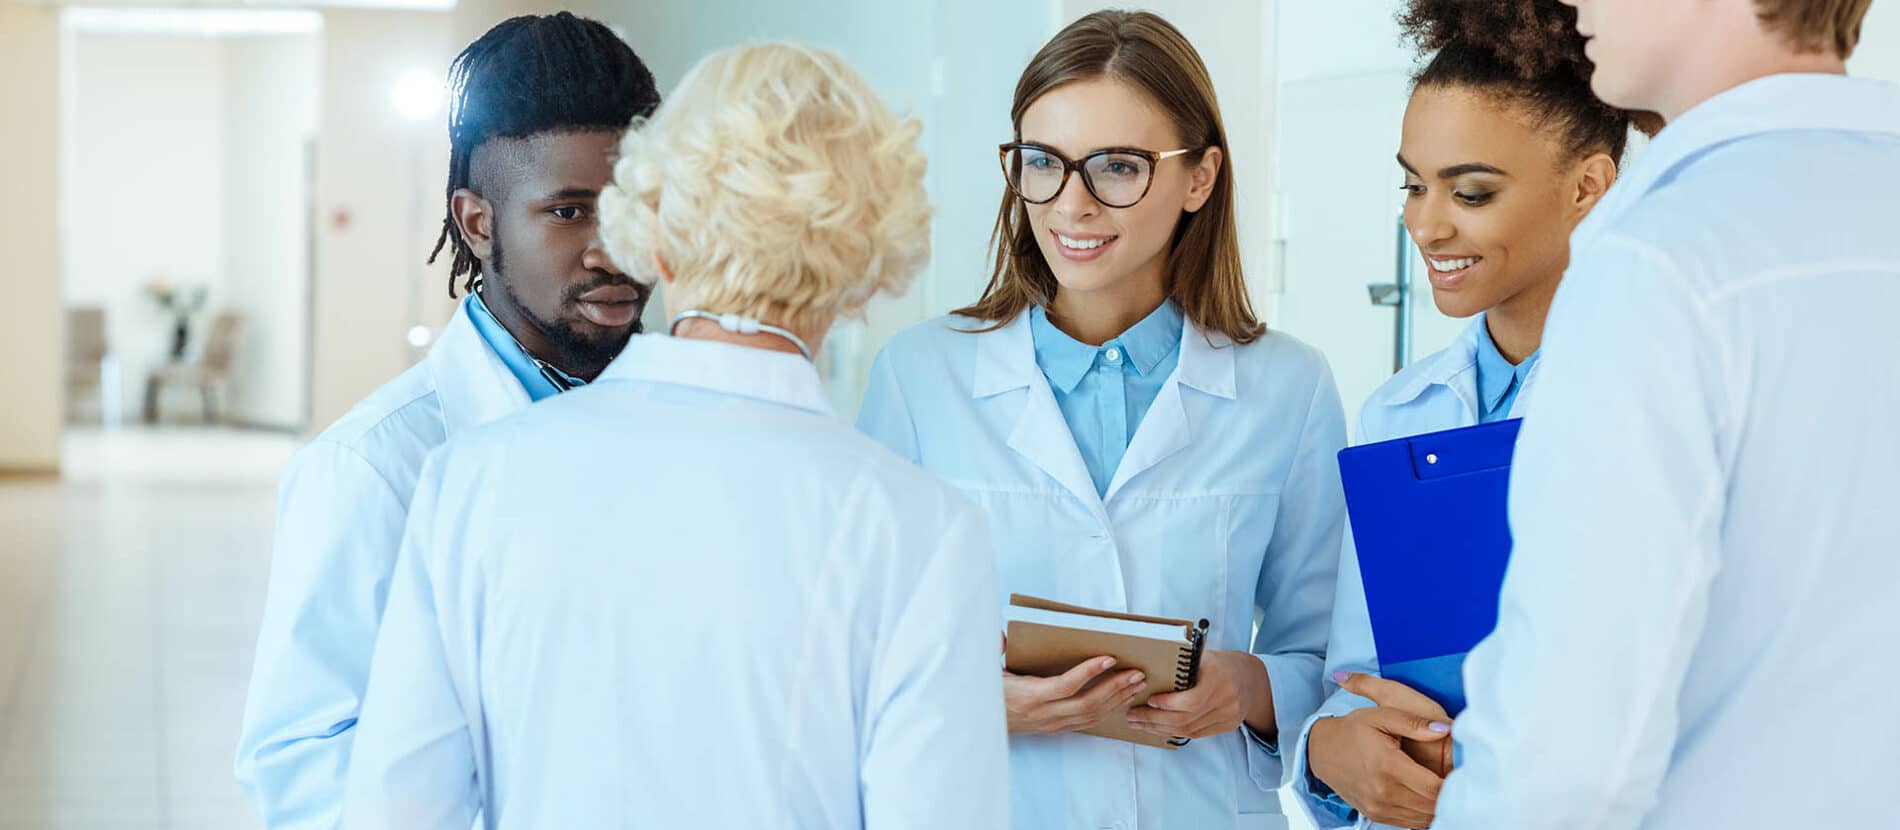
{"points": [[1505, 150]]}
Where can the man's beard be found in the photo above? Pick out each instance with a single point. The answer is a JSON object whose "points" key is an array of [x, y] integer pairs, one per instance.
{"points": [[587, 353]]}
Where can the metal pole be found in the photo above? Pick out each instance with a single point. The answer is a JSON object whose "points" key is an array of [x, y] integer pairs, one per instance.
{"points": [[1397, 295], [1402, 336]]}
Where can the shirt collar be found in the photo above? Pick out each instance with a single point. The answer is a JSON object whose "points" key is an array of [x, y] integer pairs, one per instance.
{"points": [[1777, 103], [724, 368], [1065, 360], [1006, 358], [520, 363], [1153, 339], [1442, 368], [1496, 375]]}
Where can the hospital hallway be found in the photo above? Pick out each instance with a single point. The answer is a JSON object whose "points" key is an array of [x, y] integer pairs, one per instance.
{"points": [[130, 592]]}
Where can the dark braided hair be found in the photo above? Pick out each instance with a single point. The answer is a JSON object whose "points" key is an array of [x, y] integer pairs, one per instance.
{"points": [[530, 75], [1530, 51]]}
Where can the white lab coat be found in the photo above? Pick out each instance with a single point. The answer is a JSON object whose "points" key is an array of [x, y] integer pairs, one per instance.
{"points": [[1697, 627], [1226, 506], [1436, 393], [340, 516], [685, 596]]}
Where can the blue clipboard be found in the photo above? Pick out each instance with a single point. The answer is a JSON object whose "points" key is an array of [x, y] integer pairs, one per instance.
{"points": [[1430, 526]]}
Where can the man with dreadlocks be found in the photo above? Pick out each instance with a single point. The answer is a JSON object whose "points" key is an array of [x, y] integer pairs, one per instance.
{"points": [[539, 103]]}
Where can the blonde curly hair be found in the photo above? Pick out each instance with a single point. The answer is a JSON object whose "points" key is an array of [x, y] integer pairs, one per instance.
{"points": [[776, 185]]}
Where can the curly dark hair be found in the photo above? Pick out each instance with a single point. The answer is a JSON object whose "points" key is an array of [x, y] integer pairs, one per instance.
{"points": [[1529, 51]]}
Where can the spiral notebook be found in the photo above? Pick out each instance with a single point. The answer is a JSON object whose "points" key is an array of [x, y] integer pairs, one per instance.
{"points": [[1048, 638]]}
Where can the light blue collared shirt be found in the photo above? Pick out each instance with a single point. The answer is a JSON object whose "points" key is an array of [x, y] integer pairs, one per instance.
{"points": [[1499, 380], [1103, 391], [520, 364], [1701, 593]]}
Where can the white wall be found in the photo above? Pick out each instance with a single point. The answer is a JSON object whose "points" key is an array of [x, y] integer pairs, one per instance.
{"points": [[1879, 52], [379, 195], [1339, 38], [1343, 83], [1235, 40], [145, 189], [30, 155], [271, 119]]}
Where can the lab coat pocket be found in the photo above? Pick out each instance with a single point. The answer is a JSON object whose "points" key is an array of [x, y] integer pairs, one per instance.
{"points": [[1048, 546], [1172, 549]]}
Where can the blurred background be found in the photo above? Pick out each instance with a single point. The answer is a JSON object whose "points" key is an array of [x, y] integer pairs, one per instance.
{"points": [[215, 220]]}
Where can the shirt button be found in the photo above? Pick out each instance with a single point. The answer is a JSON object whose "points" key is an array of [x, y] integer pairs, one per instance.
{"points": [[1112, 355]]}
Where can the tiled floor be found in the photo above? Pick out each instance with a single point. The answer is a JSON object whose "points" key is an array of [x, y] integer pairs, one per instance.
{"points": [[129, 599]]}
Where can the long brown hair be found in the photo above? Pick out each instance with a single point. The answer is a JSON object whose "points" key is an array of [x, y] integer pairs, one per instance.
{"points": [[1203, 274]]}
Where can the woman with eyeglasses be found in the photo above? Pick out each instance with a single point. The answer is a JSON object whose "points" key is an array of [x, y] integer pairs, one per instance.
{"points": [[1138, 440]]}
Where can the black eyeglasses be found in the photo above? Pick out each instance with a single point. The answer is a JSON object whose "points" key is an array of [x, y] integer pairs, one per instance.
{"points": [[1118, 177]]}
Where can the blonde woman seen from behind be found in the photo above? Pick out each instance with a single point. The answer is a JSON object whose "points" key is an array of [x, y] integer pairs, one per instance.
{"points": [[688, 594]]}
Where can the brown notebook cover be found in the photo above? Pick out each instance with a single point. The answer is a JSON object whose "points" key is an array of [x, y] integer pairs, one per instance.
{"points": [[1045, 651]]}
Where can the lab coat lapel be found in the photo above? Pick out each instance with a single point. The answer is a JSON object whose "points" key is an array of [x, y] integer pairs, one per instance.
{"points": [[475, 387], [1006, 361], [1458, 368]]}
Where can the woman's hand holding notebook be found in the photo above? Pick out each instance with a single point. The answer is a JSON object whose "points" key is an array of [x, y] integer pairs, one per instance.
{"points": [[1046, 639]]}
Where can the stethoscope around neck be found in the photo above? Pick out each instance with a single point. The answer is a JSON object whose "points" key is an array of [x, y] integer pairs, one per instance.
{"points": [[740, 324]]}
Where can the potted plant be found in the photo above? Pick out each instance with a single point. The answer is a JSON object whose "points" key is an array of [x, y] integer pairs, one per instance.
{"points": [[180, 302]]}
